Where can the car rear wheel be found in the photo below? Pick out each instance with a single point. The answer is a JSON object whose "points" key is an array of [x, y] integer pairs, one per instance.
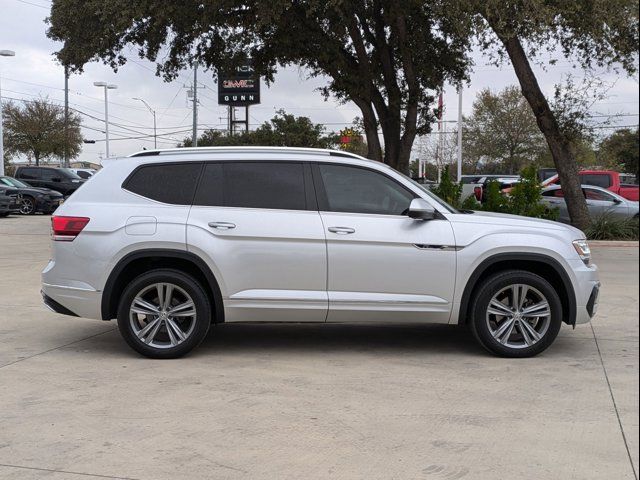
{"points": [[164, 314], [516, 314], [27, 206]]}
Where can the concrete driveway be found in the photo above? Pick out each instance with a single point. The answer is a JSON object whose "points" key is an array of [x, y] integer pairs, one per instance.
{"points": [[312, 402]]}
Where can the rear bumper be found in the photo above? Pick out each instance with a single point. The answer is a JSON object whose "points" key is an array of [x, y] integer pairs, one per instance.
{"points": [[74, 301]]}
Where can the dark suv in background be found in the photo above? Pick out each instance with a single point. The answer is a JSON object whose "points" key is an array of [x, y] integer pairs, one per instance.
{"points": [[61, 180]]}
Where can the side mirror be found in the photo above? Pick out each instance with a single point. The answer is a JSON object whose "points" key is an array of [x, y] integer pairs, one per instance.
{"points": [[617, 201], [420, 209]]}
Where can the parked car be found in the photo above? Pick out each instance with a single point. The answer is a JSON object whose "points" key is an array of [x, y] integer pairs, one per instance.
{"points": [[85, 173], [291, 234], [61, 180], [8, 201], [599, 202], [608, 179], [505, 182], [33, 199]]}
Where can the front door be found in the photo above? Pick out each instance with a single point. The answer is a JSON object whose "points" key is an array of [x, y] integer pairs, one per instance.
{"points": [[382, 265], [258, 226]]}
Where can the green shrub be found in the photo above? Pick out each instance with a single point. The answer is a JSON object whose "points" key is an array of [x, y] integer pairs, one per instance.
{"points": [[447, 189], [526, 195], [606, 227]]}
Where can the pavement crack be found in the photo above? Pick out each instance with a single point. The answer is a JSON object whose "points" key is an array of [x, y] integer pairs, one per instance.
{"points": [[56, 348], [52, 470], [615, 405]]}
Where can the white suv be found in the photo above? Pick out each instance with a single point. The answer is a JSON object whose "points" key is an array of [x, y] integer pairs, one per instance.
{"points": [[171, 241]]}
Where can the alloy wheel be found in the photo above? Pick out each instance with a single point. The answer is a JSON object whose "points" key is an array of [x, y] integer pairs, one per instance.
{"points": [[27, 205], [162, 315], [518, 316]]}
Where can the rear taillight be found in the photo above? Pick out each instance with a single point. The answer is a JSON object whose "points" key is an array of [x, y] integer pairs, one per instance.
{"points": [[477, 191], [66, 229]]}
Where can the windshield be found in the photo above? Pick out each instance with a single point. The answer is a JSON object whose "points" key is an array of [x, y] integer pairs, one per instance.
{"points": [[12, 182]]}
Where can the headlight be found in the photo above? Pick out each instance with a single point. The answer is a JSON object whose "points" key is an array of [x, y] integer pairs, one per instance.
{"points": [[584, 252]]}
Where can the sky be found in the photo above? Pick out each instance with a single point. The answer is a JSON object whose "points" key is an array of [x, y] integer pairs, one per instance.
{"points": [[34, 73]]}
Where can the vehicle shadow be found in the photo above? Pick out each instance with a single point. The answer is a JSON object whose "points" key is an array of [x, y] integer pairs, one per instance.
{"points": [[362, 338]]}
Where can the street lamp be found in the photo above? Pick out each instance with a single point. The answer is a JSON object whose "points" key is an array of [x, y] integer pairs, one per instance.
{"points": [[153, 112], [3, 53], [106, 86]]}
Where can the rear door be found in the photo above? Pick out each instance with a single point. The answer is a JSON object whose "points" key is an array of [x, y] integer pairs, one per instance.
{"points": [[382, 265], [31, 176], [258, 226]]}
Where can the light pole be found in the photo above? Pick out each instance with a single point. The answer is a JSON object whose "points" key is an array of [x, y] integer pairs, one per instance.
{"points": [[153, 112], [106, 86], [3, 53]]}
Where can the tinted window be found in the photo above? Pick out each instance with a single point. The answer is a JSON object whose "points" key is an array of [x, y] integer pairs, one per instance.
{"points": [[29, 173], [358, 190], [83, 174], [599, 180], [49, 174], [173, 183], [550, 193], [278, 185], [210, 189]]}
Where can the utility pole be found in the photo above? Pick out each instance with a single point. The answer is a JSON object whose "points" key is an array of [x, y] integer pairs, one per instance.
{"points": [[194, 135], [3, 53], [107, 87], [460, 134], [66, 116]]}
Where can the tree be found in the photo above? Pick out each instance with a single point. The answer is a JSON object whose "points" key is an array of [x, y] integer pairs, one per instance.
{"points": [[387, 57], [620, 150], [283, 130], [38, 131], [502, 130], [593, 33]]}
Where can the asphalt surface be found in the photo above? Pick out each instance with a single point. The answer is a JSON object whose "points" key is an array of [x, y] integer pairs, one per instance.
{"points": [[311, 401]]}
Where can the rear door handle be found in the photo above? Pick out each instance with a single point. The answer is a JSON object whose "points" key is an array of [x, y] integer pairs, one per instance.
{"points": [[342, 230], [222, 225]]}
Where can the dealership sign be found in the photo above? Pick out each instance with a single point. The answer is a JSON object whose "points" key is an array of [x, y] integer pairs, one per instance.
{"points": [[240, 89]]}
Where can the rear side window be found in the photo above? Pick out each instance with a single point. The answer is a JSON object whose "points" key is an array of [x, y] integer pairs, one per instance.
{"points": [[167, 183], [30, 173], [276, 185], [599, 180]]}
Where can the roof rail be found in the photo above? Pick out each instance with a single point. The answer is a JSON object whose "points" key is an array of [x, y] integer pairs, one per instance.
{"points": [[298, 150]]}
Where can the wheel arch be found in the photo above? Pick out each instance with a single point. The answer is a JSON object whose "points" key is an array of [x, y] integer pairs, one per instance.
{"points": [[545, 266], [136, 263]]}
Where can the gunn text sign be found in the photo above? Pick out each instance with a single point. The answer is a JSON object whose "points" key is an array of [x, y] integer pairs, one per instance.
{"points": [[240, 89]]}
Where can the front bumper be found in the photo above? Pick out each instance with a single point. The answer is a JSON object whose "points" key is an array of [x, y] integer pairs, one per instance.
{"points": [[587, 286]]}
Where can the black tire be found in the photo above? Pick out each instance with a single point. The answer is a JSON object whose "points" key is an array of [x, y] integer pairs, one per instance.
{"points": [[188, 285], [4, 214], [28, 206], [499, 282]]}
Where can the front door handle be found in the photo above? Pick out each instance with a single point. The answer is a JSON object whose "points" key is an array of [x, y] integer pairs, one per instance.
{"points": [[342, 230], [222, 225]]}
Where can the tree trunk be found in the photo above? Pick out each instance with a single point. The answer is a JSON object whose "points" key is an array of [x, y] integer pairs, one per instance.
{"points": [[374, 149], [561, 150]]}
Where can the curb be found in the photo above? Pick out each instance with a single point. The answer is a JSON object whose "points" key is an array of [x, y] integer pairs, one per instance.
{"points": [[614, 243]]}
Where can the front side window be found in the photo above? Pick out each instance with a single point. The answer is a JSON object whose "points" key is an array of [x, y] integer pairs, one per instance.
{"points": [[167, 183], [48, 174], [593, 194], [359, 190], [274, 185]]}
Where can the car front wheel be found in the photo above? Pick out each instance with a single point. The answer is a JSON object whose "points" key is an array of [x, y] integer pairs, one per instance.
{"points": [[516, 314], [27, 206], [164, 314]]}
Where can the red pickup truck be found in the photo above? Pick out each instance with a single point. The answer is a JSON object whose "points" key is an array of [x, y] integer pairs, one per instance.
{"points": [[608, 179]]}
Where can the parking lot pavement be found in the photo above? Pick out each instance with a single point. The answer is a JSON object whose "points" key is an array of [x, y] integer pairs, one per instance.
{"points": [[311, 401]]}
